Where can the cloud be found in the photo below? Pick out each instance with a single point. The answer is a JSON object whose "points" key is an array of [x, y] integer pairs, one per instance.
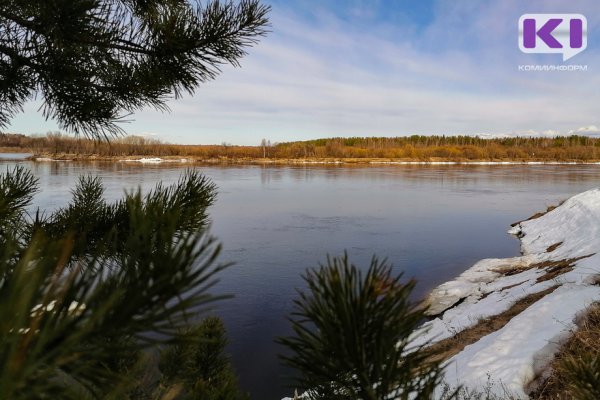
{"points": [[591, 130], [326, 72], [528, 133], [148, 135], [369, 85]]}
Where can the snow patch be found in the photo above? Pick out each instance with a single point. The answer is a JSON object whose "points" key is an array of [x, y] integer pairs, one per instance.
{"points": [[155, 160], [514, 355], [510, 358], [48, 159]]}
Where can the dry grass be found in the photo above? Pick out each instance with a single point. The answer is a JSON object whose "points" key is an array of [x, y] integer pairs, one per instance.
{"points": [[507, 287], [447, 348], [411, 148], [539, 214], [555, 246], [579, 357], [576, 367], [552, 268]]}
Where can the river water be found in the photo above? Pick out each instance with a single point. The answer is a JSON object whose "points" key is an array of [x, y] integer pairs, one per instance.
{"points": [[432, 222]]}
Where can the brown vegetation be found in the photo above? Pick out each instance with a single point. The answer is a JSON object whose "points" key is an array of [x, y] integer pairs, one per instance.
{"points": [[447, 348], [581, 348], [409, 148], [539, 214], [552, 268], [553, 247]]}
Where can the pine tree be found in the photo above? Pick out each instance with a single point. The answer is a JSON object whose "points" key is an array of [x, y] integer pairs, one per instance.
{"points": [[86, 288], [352, 336], [96, 61], [197, 368]]}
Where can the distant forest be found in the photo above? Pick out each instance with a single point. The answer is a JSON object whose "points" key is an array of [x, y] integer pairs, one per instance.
{"points": [[416, 148]]}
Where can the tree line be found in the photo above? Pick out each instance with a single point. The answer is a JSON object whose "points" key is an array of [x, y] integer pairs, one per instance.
{"points": [[419, 148]]}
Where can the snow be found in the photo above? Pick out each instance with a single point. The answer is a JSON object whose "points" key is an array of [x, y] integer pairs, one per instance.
{"points": [[47, 159], [155, 160], [510, 358], [74, 308]]}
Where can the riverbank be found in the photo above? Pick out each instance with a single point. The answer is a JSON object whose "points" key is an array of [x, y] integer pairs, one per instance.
{"points": [[295, 161], [413, 148], [500, 323]]}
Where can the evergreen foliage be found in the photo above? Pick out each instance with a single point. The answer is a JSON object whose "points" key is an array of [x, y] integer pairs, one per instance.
{"points": [[352, 336], [198, 367], [96, 61], [583, 375], [103, 227], [88, 286], [85, 289]]}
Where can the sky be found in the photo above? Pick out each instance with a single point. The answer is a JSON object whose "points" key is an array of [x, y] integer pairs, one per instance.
{"points": [[332, 68]]}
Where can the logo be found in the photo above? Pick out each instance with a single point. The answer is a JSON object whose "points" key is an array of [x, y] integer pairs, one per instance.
{"points": [[553, 33]]}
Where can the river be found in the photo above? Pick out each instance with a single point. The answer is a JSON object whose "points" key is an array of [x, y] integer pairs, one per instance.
{"points": [[430, 221]]}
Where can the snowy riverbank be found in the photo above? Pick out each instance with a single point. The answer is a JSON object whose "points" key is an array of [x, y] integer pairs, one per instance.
{"points": [[561, 256], [533, 302]]}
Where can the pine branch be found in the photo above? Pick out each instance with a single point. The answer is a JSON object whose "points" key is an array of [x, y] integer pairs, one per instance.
{"points": [[352, 336], [93, 62], [95, 281]]}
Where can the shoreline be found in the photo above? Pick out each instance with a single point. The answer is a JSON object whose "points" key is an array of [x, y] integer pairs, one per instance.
{"points": [[142, 158], [509, 319], [292, 161], [513, 314]]}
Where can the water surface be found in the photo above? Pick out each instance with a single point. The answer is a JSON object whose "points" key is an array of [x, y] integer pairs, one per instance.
{"points": [[432, 222]]}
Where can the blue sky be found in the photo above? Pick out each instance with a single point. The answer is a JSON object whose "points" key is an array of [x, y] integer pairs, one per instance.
{"points": [[384, 68]]}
